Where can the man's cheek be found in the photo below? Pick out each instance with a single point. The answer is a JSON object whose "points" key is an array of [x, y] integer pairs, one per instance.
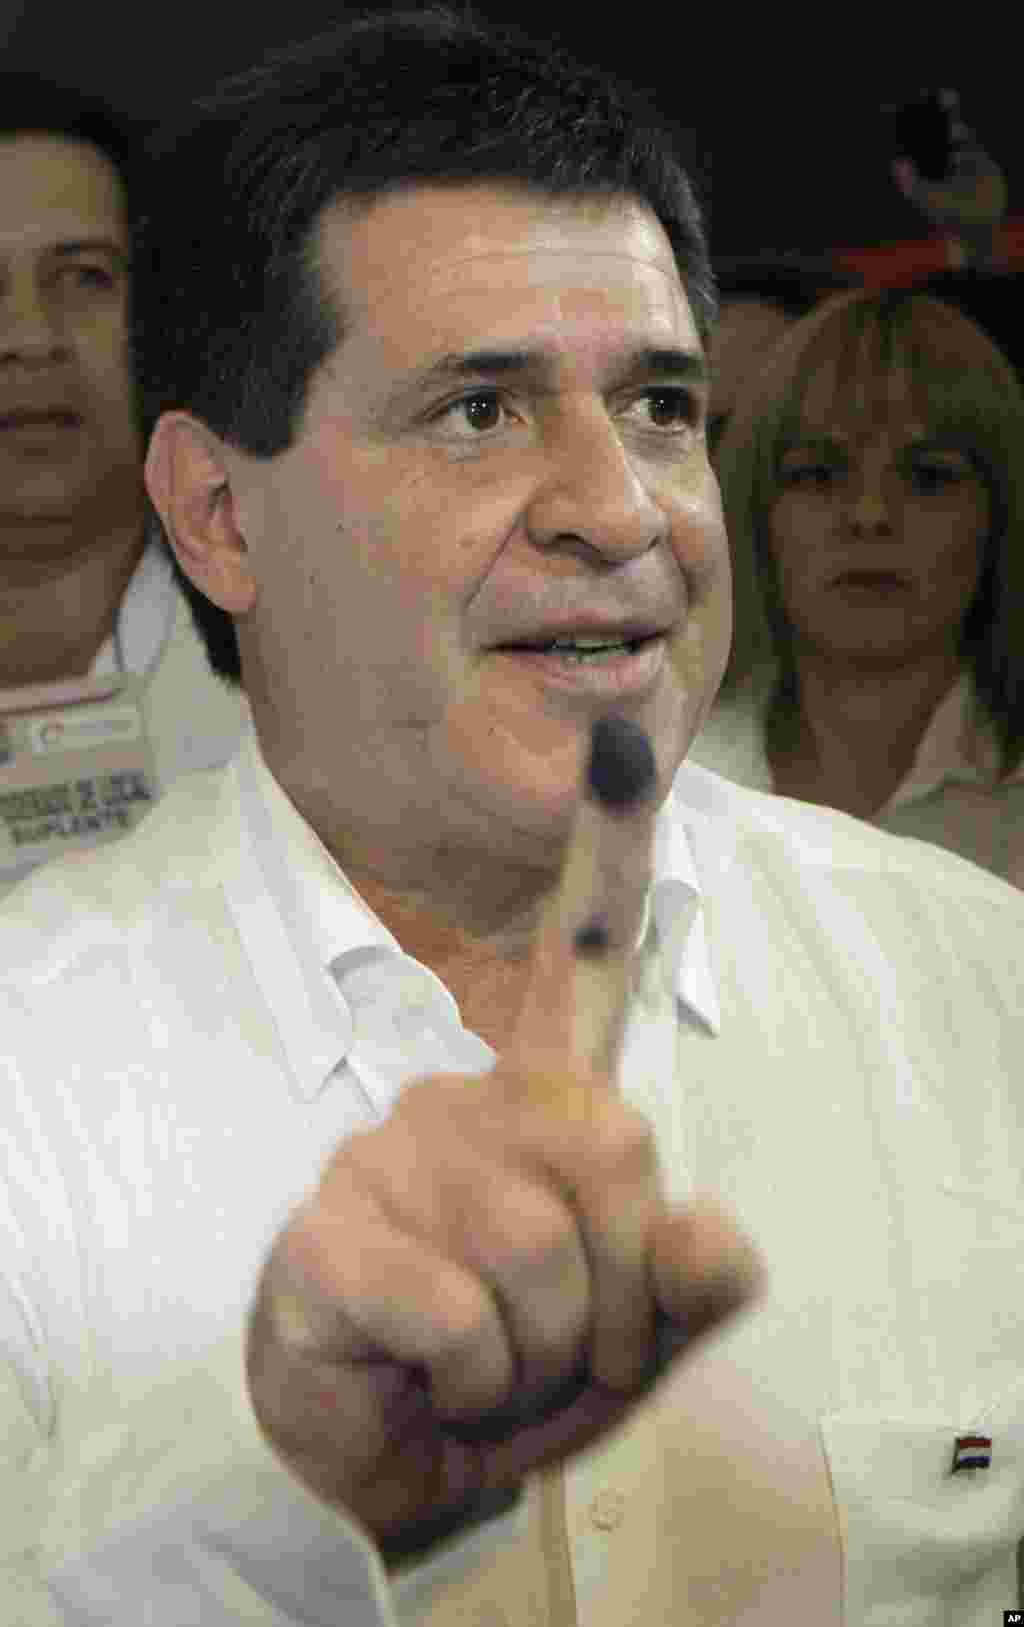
{"points": [[414, 663]]}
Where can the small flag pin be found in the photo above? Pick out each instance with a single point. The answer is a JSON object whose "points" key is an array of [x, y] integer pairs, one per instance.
{"points": [[972, 1452]]}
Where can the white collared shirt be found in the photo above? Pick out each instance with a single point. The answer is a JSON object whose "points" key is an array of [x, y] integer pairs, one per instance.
{"points": [[193, 718], [339, 944], [826, 1032], [949, 795]]}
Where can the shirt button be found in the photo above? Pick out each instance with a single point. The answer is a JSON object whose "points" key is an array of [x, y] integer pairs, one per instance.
{"points": [[607, 1509]]}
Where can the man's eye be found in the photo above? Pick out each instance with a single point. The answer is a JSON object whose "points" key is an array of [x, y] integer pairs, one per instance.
{"points": [[681, 405], [481, 407], [486, 399]]}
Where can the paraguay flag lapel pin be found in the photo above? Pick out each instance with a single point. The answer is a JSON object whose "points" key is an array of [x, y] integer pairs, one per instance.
{"points": [[972, 1452]]}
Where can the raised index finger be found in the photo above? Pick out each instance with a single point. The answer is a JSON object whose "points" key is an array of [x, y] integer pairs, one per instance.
{"points": [[574, 1012]]}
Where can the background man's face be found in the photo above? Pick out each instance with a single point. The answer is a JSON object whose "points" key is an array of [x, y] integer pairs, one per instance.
{"points": [[412, 529], [63, 335]]}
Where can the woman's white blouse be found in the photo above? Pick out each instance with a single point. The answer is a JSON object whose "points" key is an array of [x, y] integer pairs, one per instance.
{"points": [[949, 797]]}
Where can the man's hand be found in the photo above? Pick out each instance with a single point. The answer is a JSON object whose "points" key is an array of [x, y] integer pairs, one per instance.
{"points": [[482, 1286]]}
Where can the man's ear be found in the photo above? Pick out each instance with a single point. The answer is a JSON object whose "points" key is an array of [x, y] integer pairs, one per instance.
{"points": [[189, 485]]}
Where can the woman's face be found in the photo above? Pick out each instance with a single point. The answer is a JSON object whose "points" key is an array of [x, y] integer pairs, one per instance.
{"points": [[878, 532]]}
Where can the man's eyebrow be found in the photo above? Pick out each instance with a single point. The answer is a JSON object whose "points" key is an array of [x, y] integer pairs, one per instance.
{"points": [[688, 364]]}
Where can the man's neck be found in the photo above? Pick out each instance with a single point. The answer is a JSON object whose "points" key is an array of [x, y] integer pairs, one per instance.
{"points": [[860, 727], [485, 971], [59, 603], [454, 908]]}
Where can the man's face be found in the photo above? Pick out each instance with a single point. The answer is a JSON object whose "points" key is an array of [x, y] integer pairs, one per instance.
{"points": [[63, 334], [416, 524]]}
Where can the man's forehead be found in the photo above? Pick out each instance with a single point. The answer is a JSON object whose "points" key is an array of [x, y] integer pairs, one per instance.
{"points": [[492, 271], [101, 232], [432, 241], [538, 265], [55, 190]]}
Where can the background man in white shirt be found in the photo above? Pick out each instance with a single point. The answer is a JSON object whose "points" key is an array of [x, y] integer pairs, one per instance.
{"points": [[80, 593], [71, 491], [389, 442]]}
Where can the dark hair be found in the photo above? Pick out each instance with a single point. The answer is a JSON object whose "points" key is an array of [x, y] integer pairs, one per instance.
{"points": [[34, 104], [235, 316]]}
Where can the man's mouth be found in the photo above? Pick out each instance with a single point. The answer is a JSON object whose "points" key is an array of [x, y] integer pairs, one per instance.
{"points": [[582, 649], [609, 669], [39, 420]]}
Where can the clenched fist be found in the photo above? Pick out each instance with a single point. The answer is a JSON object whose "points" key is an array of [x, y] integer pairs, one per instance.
{"points": [[492, 1279]]}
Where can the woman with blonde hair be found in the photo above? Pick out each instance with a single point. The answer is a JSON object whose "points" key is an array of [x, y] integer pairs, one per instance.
{"points": [[872, 478]]}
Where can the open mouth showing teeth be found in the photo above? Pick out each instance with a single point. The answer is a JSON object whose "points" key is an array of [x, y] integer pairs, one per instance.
{"points": [[582, 650], [588, 653], [590, 665], [591, 652]]}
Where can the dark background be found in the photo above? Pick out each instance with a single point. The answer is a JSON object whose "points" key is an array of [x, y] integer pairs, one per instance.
{"points": [[777, 110]]}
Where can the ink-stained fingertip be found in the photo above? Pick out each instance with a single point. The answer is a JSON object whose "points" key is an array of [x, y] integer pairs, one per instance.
{"points": [[622, 768], [593, 938]]}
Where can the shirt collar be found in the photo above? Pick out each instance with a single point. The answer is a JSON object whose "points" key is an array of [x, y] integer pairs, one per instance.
{"points": [[144, 618], [298, 914]]}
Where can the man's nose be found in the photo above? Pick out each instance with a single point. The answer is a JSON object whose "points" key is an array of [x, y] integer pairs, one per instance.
{"points": [[593, 487], [31, 328]]}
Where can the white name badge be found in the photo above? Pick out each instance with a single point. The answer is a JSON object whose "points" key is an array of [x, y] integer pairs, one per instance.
{"points": [[76, 767]]}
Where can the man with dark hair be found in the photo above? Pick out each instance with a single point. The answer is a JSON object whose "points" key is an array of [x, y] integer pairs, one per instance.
{"points": [[99, 659], [358, 1254]]}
